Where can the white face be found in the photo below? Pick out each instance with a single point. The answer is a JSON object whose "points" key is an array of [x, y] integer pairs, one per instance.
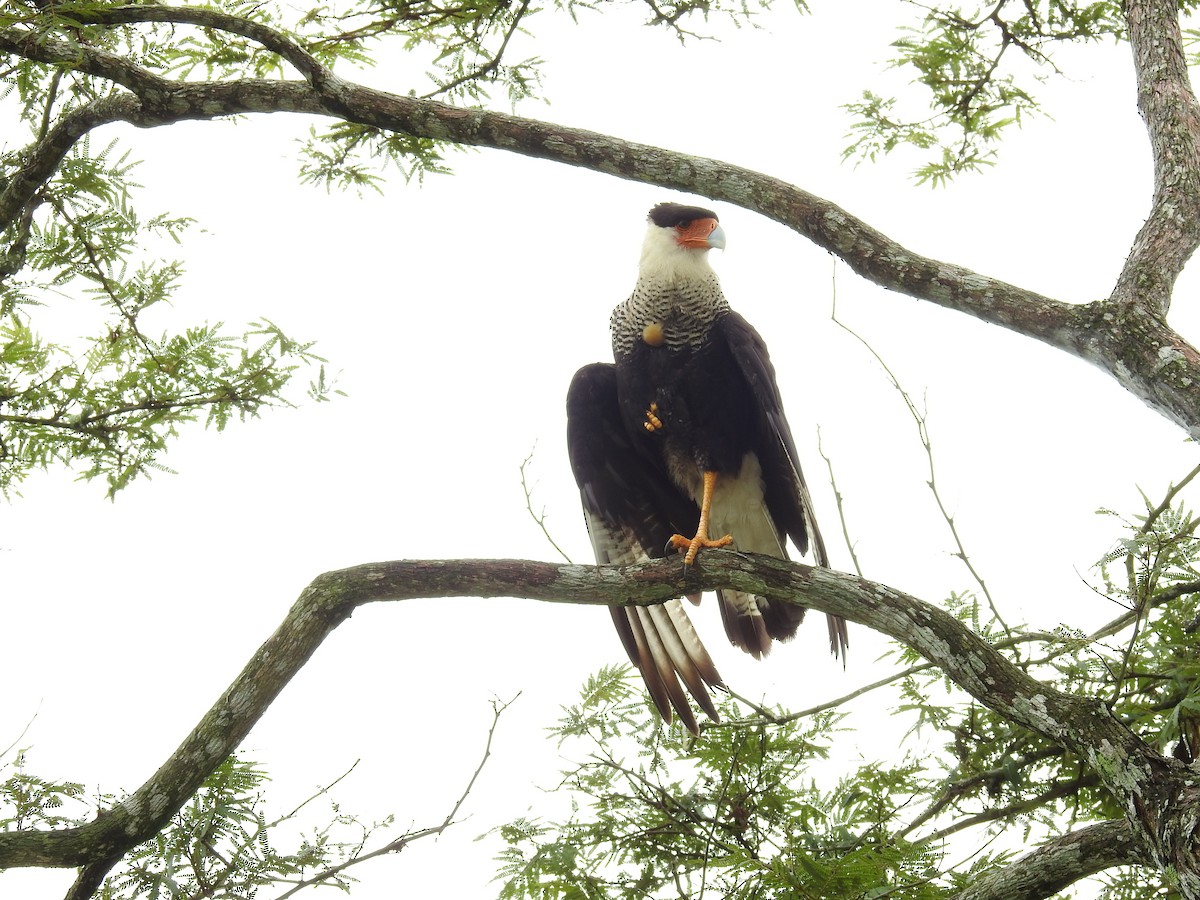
{"points": [[663, 258]]}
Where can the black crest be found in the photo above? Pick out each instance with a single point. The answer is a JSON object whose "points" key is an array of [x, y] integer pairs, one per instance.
{"points": [[672, 215]]}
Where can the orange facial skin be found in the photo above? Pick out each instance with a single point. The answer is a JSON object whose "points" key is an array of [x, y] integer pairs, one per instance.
{"points": [[694, 235]]}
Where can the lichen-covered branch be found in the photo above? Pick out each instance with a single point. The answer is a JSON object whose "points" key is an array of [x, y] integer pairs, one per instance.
{"points": [[1155, 791], [1125, 335], [1059, 863], [1129, 341], [1167, 103]]}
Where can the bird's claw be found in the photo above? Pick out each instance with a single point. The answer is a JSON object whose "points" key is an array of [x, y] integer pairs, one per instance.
{"points": [[653, 422], [690, 547]]}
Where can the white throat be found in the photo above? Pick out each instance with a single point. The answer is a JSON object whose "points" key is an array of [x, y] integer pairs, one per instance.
{"points": [[665, 262], [677, 289]]}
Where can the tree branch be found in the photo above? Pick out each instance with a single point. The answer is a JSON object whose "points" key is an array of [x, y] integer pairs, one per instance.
{"points": [[400, 843], [1129, 341], [1059, 863], [1125, 335], [1154, 791], [1168, 105]]}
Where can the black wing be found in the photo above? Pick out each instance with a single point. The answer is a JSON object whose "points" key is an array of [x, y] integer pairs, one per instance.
{"points": [[632, 508], [786, 493]]}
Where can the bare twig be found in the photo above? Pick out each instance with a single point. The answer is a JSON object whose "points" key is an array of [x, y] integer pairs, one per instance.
{"points": [[775, 719], [538, 518], [321, 792], [24, 731], [395, 846], [921, 421], [837, 496], [1058, 791]]}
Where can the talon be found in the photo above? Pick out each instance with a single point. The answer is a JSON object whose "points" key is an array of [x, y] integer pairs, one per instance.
{"points": [[701, 541], [694, 545], [653, 422]]}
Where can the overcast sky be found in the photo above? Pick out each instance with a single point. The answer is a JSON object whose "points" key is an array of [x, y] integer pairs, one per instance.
{"points": [[454, 315]]}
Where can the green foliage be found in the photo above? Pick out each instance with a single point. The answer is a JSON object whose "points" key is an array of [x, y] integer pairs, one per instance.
{"points": [[219, 844], [107, 398], [1153, 573], [749, 809], [331, 157], [1130, 883], [979, 65], [27, 801], [110, 409], [736, 812], [222, 843]]}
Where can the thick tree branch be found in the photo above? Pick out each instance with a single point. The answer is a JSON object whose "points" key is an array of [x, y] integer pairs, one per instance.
{"points": [[152, 13], [18, 195], [1126, 336], [1158, 794], [1168, 106], [1059, 863], [1129, 341]]}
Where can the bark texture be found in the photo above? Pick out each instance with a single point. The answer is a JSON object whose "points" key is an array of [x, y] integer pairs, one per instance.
{"points": [[1160, 794], [1058, 864], [1125, 334]]}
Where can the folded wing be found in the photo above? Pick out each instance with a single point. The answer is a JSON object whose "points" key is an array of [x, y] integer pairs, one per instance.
{"points": [[784, 490], [632, 507]]}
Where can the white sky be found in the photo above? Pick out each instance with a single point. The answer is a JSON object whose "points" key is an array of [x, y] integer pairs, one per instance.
{"points": [[456, 314]]}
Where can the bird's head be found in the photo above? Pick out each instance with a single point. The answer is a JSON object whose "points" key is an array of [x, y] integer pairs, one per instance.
{"points": [[678, 241]]}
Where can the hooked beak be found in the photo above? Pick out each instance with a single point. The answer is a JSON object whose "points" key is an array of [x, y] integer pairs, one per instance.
{"points": [[701, 234]]}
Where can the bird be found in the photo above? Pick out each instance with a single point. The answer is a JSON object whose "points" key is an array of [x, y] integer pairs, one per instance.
{"points": [[681, 445]]}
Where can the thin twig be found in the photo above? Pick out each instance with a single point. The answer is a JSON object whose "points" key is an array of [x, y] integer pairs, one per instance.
{"points": [[404, 840], [1142, 596], [1057, 792], [959, 789], [539, 518], [921, 421], [774, 719], [321, 792], [23, 732], [837, 497], [488, 67]]}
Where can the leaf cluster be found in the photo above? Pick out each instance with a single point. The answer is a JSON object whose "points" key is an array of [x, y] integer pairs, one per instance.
{"points": [[978, 66], [1156, 674], [749, 809], [736, 812], [107, 395], [223, 843], [29, 801], [108, 402]]}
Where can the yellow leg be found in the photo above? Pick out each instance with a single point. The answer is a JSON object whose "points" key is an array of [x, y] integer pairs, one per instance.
{"points": [[701, 540]]}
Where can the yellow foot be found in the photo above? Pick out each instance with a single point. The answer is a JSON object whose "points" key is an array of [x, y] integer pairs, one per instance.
{"points": [[653, 422], [694, 545]]}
